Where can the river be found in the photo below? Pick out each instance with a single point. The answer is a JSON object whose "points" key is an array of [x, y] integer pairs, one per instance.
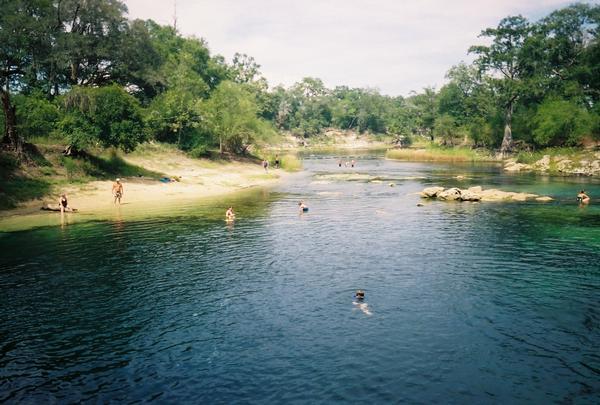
{"points": [[464, 303]]}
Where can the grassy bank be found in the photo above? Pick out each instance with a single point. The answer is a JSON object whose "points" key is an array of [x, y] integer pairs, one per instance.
{"points": [[433, 153]]}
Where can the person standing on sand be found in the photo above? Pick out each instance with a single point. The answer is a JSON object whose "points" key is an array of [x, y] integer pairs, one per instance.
{"points": [[276, 161], [266, 165], [117, 190]]}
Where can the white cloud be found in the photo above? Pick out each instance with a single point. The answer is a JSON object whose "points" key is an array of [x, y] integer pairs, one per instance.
{"points": [[396, 46]]}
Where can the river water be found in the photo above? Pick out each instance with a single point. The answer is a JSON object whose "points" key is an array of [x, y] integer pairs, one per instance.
{"points": [[464, 303]]}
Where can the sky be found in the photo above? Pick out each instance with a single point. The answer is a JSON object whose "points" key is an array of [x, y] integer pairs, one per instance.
{"points": [[393, 46]]}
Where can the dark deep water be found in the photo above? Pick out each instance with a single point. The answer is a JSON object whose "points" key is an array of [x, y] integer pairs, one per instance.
{"points": [[469, 303]]}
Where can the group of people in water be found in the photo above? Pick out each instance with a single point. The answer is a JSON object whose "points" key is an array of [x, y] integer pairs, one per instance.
{"points": [[348, 163]]}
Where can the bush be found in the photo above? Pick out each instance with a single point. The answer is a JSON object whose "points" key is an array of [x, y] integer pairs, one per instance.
{"points": [[107, 116], [561, 123], [200, 151], [290, 163]]}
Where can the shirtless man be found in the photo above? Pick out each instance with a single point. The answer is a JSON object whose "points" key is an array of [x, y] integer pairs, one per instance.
{"points": [[117, 190], [229, 215], [583, 198]]}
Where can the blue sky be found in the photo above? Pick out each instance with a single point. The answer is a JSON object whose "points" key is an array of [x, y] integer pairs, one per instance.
{"points": [[394, 46]]}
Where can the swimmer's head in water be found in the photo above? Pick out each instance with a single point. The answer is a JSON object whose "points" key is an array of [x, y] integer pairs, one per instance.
{"points": [[360, 294]]}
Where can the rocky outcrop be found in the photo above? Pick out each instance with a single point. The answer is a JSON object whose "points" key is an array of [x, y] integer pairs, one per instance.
{"points": [[431, 192], [451, 194], [475, 194], [582, 164]]}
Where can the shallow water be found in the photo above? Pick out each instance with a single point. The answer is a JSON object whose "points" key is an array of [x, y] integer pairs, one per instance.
{"points": [[476, 303]]}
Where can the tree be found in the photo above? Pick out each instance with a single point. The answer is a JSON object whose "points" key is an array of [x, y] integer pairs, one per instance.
{"points": [[230, 115], [23, 44], [445, 128], [107, 116], [504, 60], [561, 122]]}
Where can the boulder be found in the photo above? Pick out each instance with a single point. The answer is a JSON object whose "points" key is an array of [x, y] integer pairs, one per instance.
{"points": [[467, 195], [431, 192], [451, 194]]}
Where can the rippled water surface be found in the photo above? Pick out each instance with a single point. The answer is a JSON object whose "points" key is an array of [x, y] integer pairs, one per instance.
{"points": [[465, 303]]}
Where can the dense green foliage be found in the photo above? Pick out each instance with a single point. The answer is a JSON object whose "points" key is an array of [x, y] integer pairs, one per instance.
{"points": [[81, 72]]}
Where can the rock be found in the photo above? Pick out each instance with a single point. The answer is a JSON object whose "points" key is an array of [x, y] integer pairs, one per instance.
{"points": [[467, 195], [419, 205], [476, 194], [516, 167], [431, 192], [543, 164], [564, 165], [392, 184], [459, 177], [450, 195]]}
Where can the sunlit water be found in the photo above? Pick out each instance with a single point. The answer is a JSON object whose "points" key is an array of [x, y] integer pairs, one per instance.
{"points": [[465, 303]]}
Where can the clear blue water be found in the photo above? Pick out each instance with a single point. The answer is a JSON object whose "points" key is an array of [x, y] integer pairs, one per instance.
{"points": [[466, 303]]}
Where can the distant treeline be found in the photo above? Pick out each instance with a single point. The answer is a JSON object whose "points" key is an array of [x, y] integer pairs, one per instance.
{"points": [[82, 73]]}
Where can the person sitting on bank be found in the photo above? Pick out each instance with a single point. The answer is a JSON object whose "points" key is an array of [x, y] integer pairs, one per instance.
{"points": [[582, 197], [117, 190], [63, 203], [229, 215]]}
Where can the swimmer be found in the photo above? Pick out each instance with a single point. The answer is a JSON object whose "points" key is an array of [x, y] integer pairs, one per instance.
{"points": [[303, 207], [353, 163], [360, 304], [582, 197], [229, 215], [340, 163]]}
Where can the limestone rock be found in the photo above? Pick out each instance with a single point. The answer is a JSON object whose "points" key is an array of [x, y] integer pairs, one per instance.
{"points": [[564, 165], [451, 194], [431, 192], [475, 189], [516, 167], [543, 164], [468, 195]]}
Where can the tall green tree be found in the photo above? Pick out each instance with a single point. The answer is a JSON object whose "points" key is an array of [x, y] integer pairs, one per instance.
{"points": [[230, 115], [503, 59], [23, 44]]}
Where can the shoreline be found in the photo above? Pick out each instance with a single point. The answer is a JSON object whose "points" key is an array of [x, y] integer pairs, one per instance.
{"points": [[200, 181]]}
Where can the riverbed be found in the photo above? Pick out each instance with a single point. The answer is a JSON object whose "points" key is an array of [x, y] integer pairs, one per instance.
{"points": [[464, 302]]}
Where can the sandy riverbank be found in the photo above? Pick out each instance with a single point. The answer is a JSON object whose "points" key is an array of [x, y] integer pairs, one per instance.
{"points": [[198, 179]]}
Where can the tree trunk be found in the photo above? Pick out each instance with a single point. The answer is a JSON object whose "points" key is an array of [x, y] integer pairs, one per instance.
{"points": [[507, 139], [221, 144], [11, 137]]}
